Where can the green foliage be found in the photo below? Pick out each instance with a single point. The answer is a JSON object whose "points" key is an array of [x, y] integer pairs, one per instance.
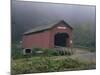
{"points": [[46, 52], [46, 64], [50, 52], [16, 51], [84, 36]]}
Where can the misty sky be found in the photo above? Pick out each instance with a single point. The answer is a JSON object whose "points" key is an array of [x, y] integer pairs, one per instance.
{"points": [[26, 15]]}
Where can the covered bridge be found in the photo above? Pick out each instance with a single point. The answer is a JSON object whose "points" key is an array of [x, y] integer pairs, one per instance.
{"points": [[48, 36]]}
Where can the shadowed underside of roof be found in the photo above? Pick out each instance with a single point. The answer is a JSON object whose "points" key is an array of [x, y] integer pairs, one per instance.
{"points": [[45, 27]]}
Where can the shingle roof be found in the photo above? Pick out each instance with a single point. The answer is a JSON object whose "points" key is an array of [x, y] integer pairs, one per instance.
{"points": [[44, 27]]}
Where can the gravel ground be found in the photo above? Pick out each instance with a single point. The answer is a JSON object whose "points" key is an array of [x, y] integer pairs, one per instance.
{"points": [[84, 55]]}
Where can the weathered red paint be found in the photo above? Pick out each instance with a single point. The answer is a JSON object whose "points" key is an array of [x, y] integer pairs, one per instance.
{"points": [[46, 39], [55, 31]]}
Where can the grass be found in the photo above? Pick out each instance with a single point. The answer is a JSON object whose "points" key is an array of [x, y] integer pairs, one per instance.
{"points": [[40, 64]]}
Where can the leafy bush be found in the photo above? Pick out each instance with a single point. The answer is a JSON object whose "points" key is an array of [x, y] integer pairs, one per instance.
{"points": [[16, 52], [50, 52], [46, 51], [46, 64]]}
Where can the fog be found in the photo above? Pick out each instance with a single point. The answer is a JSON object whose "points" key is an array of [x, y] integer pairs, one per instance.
{"points": [[27, 15]]}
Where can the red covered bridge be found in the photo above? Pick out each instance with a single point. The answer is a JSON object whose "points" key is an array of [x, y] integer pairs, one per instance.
{"points": [[48, 36]]}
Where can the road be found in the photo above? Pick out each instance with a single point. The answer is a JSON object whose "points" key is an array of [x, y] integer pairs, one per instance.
{"points": [[82, 55]]}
